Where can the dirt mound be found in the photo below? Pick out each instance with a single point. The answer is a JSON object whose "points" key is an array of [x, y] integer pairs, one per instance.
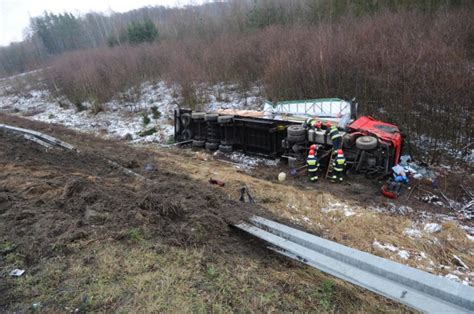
{"points": [[84, 197]]}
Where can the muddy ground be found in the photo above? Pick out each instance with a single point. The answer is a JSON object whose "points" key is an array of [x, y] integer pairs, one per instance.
{"points": [[92, 238]]}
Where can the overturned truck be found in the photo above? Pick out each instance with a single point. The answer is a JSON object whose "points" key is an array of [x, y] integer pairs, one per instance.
{"points": [[280, 131]]}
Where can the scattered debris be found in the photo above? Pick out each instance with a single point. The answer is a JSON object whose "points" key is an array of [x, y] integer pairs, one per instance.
{"points": [[282, 176], [416, 170], [459, 262], [400, 210], [432, 199], [216, 182], [245, 191], [149, 167], [17, 272]]}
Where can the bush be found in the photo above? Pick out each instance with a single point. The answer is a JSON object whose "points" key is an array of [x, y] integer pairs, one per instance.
{"points": [[146, 119], [155, 112], [407, 68]]}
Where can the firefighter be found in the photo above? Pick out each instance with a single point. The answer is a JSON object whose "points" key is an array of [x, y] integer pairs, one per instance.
{"points": [[318, 125], [338, 166], [335, 135], [313, 166], [309, 123]]}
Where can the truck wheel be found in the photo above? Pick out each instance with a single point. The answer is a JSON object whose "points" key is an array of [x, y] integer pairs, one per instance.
{"points": [[197, 143], [296, 130], [225, 119], [296, 138], [198, 115], [347, 141], [225, 148], [211, 146], [211, 117], [185, 120], [366, 142], [187, 135], [297, 148]]}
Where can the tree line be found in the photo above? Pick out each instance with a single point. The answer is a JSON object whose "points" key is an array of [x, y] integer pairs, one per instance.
{"points": [[52, 34]]}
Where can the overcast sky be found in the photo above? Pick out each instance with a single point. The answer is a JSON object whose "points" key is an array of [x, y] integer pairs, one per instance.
{"points": [[15, 14]]}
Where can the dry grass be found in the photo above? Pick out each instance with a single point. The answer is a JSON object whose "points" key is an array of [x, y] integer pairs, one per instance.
{"points": [[148, 277], [306, 206]]}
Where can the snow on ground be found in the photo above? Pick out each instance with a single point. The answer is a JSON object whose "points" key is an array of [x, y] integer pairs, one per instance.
{"points": [[124, 119], [432, 227], [251, 161], [413, 233], [466, 153], [338, 207], [222, 96]]}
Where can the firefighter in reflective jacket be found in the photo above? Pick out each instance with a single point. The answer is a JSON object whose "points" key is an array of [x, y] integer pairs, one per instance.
{"points": [[313, 166], [335, 135], [338, 166], [310, 123]]}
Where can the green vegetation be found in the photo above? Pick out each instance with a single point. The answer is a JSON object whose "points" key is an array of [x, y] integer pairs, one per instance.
{"points": [[155, 112], [146, 119], [147, 132]]}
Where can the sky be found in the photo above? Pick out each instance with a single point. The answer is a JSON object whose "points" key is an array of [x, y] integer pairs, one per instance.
{"points": [[15, 14]]}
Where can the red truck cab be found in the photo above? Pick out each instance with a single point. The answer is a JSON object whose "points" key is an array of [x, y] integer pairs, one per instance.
{"points": [[384, 132]]}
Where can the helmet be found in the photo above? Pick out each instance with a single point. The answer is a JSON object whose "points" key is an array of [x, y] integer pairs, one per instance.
{"points": [[313, 147], [328, 124], [340, 152], [311, 152], [318, 124]]}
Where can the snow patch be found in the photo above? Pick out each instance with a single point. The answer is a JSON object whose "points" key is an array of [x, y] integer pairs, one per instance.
{"points": [[432, 227], [403, 254], [338, 207], [413, 233]]}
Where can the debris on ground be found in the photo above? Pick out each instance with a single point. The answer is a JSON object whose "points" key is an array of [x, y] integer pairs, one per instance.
{"points": [[244, 192], [17, 272], [216, 182]]}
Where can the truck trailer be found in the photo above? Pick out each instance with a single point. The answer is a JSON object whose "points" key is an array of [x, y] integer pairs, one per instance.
{"points": [[281, 130]]}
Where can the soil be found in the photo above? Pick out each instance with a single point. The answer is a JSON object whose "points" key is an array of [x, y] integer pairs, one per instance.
{"points": [[50, 199]]}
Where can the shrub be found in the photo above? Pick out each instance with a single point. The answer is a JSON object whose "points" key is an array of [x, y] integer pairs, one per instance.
{"points": [[146, 119], [155, 112]]}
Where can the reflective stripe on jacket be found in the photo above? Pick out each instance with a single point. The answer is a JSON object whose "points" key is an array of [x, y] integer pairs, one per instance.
{"points": [[313, 163], [334, 133], [339, 164]]}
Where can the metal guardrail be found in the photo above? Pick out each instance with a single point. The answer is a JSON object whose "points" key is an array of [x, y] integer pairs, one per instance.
{"points": [[415, 288], [38, 137]]}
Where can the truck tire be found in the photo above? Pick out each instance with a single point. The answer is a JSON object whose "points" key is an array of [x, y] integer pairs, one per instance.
{"points": [[225, 119], [227, 143], [347, 141], [296, 130], [212, 146], [198, 115], [225, 148], [296, 138], [366, 142], [210, 117], [298, 148], [186, 135], [198, 143], [185, 120]]}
